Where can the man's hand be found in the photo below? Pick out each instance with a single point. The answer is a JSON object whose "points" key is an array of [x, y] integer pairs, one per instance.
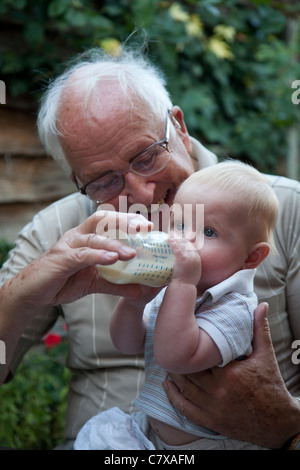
{"points": [[245, 400], [68, 270], [65, 273]]}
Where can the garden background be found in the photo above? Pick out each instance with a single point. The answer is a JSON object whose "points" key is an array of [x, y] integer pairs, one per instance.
{"points": [[233, 67]]}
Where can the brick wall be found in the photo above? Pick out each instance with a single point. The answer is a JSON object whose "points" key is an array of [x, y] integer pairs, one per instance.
{"points": [[29, 180]]}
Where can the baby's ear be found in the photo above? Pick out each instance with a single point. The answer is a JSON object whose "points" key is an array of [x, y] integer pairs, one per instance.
{"points": [[258, 253]]}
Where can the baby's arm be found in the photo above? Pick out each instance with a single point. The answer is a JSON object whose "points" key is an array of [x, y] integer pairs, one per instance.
{"points": [[180, 345], [128, 325]]}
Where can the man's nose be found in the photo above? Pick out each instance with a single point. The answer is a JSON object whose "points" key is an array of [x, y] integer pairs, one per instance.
{"points": [[138, 189]]}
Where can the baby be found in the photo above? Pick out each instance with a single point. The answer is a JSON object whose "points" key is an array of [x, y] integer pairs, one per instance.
{"points": [[204, 317]]}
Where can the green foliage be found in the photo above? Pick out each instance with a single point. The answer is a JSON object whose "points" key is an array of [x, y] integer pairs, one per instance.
{"points": [[227, 64], [4, 249], [33, 404]]}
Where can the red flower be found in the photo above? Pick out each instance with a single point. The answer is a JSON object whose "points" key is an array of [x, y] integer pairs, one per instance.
{"points": [[52, 339]]}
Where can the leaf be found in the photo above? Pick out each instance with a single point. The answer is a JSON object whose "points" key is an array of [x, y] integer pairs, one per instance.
{"points": [[58, 7], [143, 11], [34, 33], [78, 19]]}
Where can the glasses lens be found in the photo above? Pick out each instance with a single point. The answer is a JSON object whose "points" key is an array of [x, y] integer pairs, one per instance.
{"points": [[106, 187], [153, 160], [110, 185]]}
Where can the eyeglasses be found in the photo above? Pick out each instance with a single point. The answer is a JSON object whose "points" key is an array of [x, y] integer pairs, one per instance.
{"points": [[150, 161]]}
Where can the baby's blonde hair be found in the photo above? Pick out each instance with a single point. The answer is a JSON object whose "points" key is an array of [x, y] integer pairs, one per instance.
{"points": [[248, 188]]}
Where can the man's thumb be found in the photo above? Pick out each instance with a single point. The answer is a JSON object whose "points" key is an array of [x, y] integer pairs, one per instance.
{"points": [[261, 334]]}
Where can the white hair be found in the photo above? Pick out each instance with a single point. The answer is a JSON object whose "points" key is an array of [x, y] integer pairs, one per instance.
{"points": [[137, 77]]}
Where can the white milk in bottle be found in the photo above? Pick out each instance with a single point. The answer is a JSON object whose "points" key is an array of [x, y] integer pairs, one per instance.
{"points": [[152, 265]]}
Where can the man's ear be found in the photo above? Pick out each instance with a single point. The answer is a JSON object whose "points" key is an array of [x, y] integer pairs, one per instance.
{"points": [[179, 123], [258, 253]]}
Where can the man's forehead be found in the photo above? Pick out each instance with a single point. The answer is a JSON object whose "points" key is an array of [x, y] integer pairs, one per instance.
{"points": [[102, 99], [99, 115]]}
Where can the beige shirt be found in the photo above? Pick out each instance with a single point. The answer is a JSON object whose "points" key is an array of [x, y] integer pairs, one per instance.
{"points": [[103, 377]]}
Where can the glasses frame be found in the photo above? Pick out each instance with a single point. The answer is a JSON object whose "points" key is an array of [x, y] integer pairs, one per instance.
{"points": [[163, 143]]}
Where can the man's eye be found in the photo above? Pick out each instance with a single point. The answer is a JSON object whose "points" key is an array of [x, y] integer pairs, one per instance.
{"points": [[145, 160], [108, 181], [209, 232]]}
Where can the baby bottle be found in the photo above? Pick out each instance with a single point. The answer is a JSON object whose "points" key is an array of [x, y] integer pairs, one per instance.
{"points": [[152, 265]]}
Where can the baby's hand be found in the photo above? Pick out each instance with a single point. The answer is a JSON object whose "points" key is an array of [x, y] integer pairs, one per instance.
{"points": [[187, 261]]}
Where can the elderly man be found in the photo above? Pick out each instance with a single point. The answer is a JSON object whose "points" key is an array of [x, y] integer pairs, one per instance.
{"points": [[112, 125]]}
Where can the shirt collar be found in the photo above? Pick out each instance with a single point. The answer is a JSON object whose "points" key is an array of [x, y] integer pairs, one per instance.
{"points": [[242, 282]]}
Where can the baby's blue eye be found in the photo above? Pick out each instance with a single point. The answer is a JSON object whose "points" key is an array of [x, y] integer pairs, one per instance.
{"points": [[209, 232], [180, 226]]}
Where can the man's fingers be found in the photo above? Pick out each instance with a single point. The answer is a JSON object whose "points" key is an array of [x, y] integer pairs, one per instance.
{"points": [[130, 291], [96, 242], [101, 221], [127, 223], [191, 386], [176, 397], [185, 406]]}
